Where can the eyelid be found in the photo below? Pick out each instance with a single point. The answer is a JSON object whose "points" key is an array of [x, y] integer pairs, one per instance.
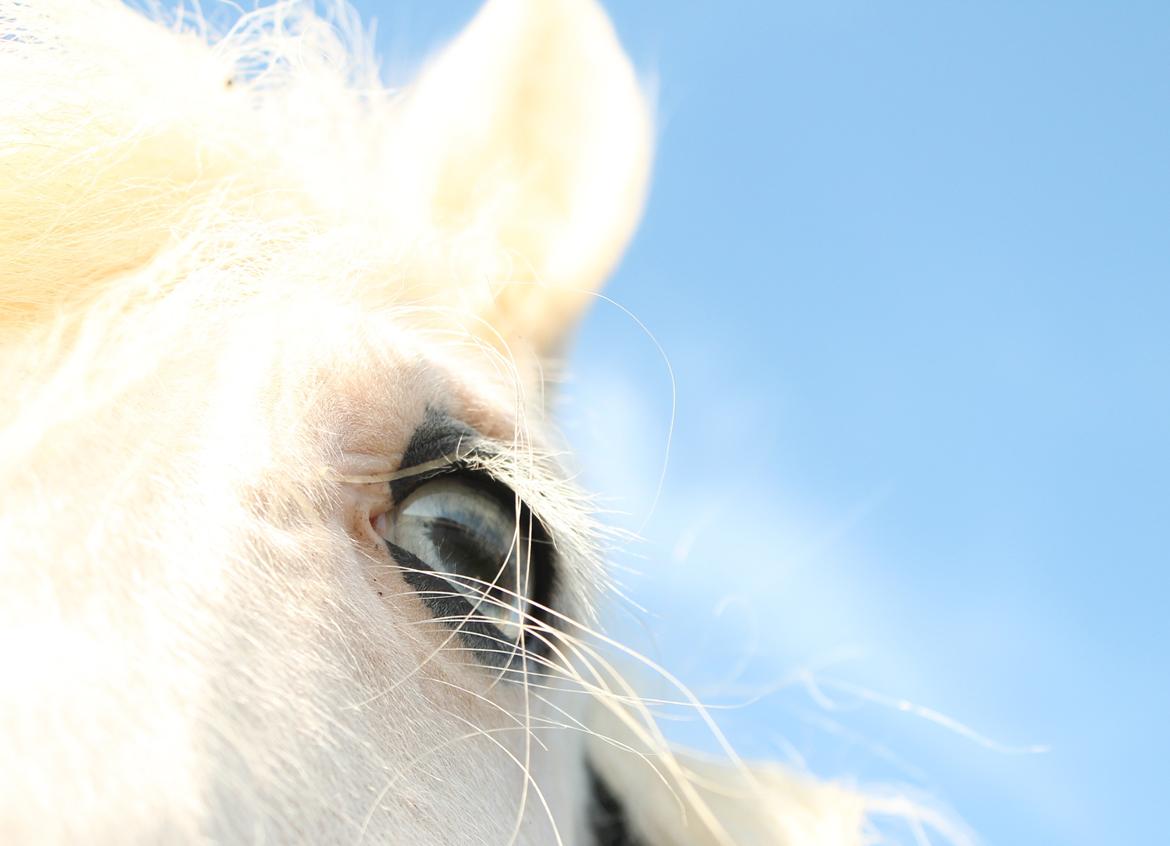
{"points": [[438, 435]]}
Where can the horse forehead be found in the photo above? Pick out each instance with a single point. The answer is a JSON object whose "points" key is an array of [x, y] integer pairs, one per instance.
{"points": [[381, 376]]}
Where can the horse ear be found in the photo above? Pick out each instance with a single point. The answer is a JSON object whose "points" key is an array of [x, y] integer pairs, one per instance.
{"points": [[529, 133]]}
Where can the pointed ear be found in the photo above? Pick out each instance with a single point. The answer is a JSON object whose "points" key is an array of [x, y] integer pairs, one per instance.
{"points": [[529, 134]]}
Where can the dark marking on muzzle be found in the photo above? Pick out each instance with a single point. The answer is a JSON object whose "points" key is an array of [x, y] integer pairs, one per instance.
{"points": [[606, 815]]}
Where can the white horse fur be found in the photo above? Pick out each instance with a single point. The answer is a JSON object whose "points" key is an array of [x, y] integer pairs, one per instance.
{"points": [[236, 274]]}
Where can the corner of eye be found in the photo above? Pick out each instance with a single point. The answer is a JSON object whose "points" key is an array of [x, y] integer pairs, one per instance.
{"points": [[365, 508], [378, 523]]}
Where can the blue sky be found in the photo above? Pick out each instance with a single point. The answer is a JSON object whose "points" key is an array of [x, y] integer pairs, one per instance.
{"points": [[910, 265]]}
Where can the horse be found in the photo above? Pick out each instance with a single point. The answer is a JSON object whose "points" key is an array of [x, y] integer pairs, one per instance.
{"points": [[291, 549]]}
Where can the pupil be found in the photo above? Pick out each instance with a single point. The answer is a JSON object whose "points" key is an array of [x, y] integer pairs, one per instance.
{"points": [[466, 555]]}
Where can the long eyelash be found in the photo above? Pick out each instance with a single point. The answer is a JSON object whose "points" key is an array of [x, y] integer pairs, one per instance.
{"points": [[569, 515], [552, 637], [442, 463], [569, 518], [643, 728], [649, 735], [603, 678]]}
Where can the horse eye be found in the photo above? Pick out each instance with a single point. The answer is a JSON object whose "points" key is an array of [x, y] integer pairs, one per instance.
{"points": [[477, 537]]}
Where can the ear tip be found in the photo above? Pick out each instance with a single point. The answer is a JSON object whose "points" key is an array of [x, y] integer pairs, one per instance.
{"points": [[567, 44], [583, 24], [533, 131]]}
